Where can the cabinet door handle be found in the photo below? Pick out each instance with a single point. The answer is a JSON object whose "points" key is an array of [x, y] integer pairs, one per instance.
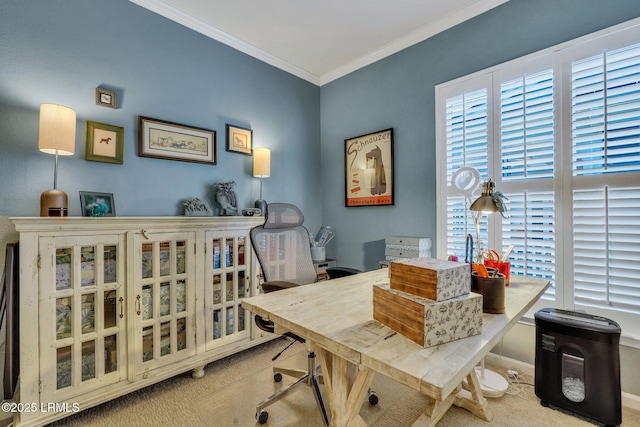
{"points": [[138, 311], [121, 300]]}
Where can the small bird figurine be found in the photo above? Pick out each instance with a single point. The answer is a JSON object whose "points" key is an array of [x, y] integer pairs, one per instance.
{"points": [[226, 197]]}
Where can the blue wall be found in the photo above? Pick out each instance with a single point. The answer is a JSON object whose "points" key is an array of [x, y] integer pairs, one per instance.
{"points": [[399, 92], [60, 51]]}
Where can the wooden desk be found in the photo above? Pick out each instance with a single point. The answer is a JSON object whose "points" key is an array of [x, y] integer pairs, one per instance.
{"points": [[337, 318]]}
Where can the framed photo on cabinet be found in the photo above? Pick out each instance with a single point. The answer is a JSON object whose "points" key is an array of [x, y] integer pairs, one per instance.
{"points": [[368, 169], [97, 204]]}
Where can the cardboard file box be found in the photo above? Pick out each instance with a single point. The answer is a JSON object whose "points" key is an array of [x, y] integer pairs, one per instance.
{"points": [[424, 321], [431, 278]]}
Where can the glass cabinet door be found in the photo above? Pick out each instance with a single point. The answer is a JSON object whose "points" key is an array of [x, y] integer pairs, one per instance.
{"points": [[164, 304], [82, 316], [227, 282]]}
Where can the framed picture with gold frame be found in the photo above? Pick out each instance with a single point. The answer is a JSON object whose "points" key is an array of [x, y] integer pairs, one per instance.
{"points": [[104, 143]]}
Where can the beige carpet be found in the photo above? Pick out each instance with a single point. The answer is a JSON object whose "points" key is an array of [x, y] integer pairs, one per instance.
{"points": [[231, 387]]}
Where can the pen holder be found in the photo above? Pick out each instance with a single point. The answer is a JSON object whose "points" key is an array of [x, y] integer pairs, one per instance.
{"points": [[503, 268], [318, 253], [492, 290]]}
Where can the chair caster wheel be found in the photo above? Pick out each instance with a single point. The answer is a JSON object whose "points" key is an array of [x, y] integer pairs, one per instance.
{"points": [[373, 398], [277, 377], [263, 416]]}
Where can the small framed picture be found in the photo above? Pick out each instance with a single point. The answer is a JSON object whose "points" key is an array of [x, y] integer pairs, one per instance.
{"points": [[239, 140], [97, 204], [105, 98], [104, 143]]}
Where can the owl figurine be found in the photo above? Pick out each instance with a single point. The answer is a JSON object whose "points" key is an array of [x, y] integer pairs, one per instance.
{"points": [[227, 199]]}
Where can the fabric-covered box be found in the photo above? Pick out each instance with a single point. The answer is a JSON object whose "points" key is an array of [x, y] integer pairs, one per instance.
{"points": [[425, 321], [431, 278]]}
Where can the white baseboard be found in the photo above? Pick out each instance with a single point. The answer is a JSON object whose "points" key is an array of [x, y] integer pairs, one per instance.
{"points": [[629, 400]]}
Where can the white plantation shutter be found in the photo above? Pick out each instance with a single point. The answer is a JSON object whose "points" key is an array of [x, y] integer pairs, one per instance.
{"points": [[467, 133], [606, 112], [527, 126], [527, 144], [467, 144], [559, 133], [606, 246], [530, 228], [605, 100]]}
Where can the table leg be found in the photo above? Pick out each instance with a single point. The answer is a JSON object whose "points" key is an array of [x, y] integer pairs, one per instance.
{"points": [[472, 401], [434, 412], [346, 394]]}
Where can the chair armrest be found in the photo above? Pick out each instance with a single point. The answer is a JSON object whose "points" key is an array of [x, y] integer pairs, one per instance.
{"points": [[335, 272], [277, 285]]}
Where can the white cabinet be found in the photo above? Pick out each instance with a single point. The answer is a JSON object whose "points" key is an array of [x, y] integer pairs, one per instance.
{"points": [[111, 305]]}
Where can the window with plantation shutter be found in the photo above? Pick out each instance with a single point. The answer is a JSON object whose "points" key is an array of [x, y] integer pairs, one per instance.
{"points": [[559, 133]]}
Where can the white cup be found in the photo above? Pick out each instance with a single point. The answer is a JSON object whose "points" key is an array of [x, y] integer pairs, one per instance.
{"points": [[318, 253]]}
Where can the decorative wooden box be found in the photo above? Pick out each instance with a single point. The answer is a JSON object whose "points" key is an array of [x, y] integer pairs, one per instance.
{"points": [[424, 321], [431, 278]]}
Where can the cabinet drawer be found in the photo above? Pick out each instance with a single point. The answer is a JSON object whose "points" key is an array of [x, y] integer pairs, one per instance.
{"points": [[400, 253], [420, 244]]}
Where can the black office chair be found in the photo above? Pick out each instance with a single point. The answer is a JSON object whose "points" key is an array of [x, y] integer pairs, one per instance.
{"points": [[282, 246]]}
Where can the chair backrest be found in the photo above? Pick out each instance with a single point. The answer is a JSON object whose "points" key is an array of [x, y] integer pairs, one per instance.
{"points": [[282, 246]]}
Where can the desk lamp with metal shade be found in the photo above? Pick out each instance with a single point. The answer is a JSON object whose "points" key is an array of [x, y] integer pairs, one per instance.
{"points": [[261, 169], [491, 383], [57, 135]]}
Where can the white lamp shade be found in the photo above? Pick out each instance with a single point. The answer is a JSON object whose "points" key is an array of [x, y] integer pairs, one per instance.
{"points": [[57, 129], [261, 162]]}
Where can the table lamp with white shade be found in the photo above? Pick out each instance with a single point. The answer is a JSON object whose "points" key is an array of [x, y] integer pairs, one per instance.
{"points": [[261, 169], [57, 135]]}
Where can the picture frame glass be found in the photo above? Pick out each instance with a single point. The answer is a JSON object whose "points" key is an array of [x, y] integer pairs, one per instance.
{"points": [[369, 169], [104, 142]]}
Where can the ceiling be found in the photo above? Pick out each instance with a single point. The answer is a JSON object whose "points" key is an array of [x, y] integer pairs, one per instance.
{"points": [[319, 40]]}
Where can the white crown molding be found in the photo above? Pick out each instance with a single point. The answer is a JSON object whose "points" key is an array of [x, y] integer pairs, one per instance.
{"points": [[411, 39], [389, 49], [210, 31]]}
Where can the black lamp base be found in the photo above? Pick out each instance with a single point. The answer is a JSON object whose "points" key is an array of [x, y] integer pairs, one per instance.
{"points": [[262, 205]]}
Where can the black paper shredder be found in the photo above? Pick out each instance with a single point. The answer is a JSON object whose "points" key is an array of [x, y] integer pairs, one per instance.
{"points": [[577, 364]]}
